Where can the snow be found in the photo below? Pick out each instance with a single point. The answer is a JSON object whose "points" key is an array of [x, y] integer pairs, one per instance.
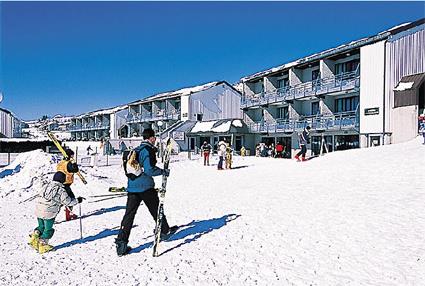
{"points": [[403, 86], [237, 123], [348, 218], [203, 126], [224, 127]]}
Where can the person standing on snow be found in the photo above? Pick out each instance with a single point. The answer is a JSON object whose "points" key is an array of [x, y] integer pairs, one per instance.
{"points": [[48, 204], [69, 168], [304, 139], [89, 149], [142, 188], [221, 146], [206, 149]]}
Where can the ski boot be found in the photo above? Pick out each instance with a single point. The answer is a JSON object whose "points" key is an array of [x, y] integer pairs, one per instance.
{"points": [[69, 215], [172, 230], [44, 246], [34, 239], [122, 247]]}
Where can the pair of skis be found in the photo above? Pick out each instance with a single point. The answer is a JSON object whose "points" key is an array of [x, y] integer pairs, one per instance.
{"points": [[161, 194]]}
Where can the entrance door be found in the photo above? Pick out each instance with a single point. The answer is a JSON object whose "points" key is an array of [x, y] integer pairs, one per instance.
{"points": [[375, 141]]}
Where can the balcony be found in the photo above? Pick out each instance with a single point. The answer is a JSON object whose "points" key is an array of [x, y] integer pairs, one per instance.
{"points": [[338, 83], [160, 115], [89, 127], [341, 121]]}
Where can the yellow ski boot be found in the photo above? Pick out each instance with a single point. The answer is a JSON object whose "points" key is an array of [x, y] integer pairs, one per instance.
{"points": [[44, 246], [34, 239]]}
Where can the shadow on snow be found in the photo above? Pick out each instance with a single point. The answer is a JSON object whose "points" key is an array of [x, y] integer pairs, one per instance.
{"points": [[98, 212], [192, 231]]}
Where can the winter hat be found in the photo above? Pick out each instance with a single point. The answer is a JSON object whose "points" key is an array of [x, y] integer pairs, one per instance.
{"points": [[59, 177], [148, 133], [69, 153], [308, 128]]}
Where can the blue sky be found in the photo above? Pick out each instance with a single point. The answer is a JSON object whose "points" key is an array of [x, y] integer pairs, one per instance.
{"points": [[74, 57]]}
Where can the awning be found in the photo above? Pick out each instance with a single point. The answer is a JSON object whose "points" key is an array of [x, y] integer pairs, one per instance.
{"points": [[406, 92]]}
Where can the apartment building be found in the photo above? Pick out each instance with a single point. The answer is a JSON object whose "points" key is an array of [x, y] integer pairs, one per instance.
{"points": [[10, 125], [98, 125], [345, 94], [173, 114]]}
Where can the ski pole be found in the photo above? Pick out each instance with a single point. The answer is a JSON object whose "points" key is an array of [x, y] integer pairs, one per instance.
{"points": [[81, 222]]}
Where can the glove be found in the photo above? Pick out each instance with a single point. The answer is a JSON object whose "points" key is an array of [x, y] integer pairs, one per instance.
{"points": [[80, 199], [166, 172]]}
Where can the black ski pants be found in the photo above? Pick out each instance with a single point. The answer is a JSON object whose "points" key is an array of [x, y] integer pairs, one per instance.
{"points": [[150, 198], [303, 151]]}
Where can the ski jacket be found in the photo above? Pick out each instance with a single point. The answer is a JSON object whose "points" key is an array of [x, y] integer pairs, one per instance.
{"points": [[147, 159], [279, 148], [68, 168], [50, 199], [222, 148], [304, 137], [206, 148]]}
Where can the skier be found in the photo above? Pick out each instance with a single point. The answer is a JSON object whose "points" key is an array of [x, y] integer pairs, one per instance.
{"points": [[304, 139], [206, 149], [69, 168], [89, 149], [48, 204], [221, 152], [228, 156], [279, 150], [141, 189]]}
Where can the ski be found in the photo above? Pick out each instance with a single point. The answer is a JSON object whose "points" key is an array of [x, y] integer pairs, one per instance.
{"points": [[107, 195], [117, 190], [161, 196], [58, 145], [108, 198]]}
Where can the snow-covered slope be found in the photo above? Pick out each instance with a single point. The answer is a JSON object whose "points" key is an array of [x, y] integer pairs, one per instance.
{"points": [[347, 218]]}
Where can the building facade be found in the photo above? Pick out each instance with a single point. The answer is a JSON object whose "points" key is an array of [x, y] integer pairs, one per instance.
{"points": [[10, 125], [173, 114], [345, 94], [98, 125]]}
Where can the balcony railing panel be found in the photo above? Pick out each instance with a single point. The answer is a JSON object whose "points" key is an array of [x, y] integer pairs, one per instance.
{"points": [[343, 121], [341, 82]]}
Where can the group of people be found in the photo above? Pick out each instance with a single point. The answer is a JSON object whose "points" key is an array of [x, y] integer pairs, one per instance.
{"points": [[279, 151], [224, 151], [58, 193]]}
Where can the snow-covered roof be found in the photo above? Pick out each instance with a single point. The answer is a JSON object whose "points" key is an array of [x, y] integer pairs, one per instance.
{"points": [[217, 126], [24, 139], [179, 92], [339, 49], [404, 85], [103, 111]]}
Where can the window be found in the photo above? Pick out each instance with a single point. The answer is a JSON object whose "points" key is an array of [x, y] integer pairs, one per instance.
{"points": [[347, 66], [346, 104], [315, 108], [315, 74], [283, 112], [283, 82]]}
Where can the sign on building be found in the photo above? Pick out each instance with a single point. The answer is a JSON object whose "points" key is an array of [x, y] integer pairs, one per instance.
{"points": [[178, 135], [371, 111]]}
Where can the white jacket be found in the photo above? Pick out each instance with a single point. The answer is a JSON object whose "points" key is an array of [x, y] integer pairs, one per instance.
{"points": [[221, 148], [50, 199]]}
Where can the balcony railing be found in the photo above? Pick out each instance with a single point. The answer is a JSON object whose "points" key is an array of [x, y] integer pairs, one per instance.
{"points": [[89, 127], [341, 82], [161, 115], [342, 121]]}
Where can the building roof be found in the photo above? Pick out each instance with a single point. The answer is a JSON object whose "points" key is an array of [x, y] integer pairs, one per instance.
{"points": [[103, 111], [341, 48], [410, 82], [182, 92], [219, 126]]}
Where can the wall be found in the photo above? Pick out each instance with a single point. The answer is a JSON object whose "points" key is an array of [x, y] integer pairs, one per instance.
{"points": [[219, 102], [372, 86], [405, 53]]}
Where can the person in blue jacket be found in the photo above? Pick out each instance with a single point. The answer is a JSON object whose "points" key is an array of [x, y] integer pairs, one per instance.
{"points": [[141, 189]]}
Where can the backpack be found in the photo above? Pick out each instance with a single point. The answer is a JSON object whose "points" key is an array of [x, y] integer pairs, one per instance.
{"points": [[131, 165]]}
